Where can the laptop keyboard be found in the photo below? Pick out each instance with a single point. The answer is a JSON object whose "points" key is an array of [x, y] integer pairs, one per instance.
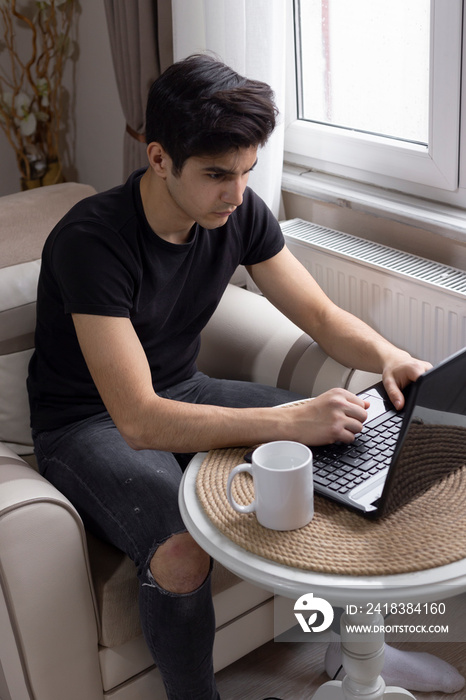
{"points": [[341, 467]]}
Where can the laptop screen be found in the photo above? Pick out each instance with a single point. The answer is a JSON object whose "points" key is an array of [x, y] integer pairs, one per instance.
{"points": [[432, 441]]}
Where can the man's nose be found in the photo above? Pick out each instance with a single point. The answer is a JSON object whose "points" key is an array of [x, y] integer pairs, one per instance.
{"points": [[234, 193]]}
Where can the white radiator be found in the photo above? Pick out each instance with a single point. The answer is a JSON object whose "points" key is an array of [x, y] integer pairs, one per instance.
{"points": [[418, 304]]}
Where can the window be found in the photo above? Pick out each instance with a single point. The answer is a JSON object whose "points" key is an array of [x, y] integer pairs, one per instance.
{"points": [[374, 93], [365, 65]]}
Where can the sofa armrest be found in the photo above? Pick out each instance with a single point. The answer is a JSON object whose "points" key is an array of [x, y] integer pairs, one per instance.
{"points": [[47, 610], [247, 338]]}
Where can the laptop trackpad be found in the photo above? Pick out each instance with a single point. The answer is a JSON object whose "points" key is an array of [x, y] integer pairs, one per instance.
{"points": [[369, 492]]}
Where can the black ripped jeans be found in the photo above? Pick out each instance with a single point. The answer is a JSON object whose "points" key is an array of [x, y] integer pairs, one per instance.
{"points": [[130, 498]]}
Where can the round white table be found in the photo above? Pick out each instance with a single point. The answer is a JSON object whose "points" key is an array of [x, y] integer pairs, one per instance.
{"points": [[362, 661]]}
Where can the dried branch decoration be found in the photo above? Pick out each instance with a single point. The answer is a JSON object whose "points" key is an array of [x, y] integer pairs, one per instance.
{"points": [[31, 92]]}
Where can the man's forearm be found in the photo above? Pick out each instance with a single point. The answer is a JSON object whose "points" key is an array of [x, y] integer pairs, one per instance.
{"points": [[182, 427], [355, 344], [175, 426]]}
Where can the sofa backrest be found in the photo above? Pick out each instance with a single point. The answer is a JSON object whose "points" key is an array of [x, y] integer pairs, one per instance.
{"points": [[26, 219]]}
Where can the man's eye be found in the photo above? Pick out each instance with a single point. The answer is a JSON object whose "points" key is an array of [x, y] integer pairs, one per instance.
{"points": [[215, 176]]}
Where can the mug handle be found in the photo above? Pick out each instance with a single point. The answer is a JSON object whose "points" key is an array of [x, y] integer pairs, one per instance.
{"points": [[250, 508]]}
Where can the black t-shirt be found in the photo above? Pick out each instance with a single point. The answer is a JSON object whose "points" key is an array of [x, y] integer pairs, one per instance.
{"points": [[103, 258]]}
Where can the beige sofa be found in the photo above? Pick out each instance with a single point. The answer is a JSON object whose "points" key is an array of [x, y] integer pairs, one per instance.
{"points": [[69, 623]]}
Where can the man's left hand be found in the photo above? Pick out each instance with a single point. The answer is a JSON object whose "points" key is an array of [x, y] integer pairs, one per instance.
{"points": [[399, 372]]}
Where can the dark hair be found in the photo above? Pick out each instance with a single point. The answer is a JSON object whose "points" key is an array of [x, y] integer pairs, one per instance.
{"points": [[199, 106]]}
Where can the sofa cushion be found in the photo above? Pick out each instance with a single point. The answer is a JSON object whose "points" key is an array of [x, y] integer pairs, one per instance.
{"points": [[116, 589], [26, 219], [14, 407], [18, 285]]}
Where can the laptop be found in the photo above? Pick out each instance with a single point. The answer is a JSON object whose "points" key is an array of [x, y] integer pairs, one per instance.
{"points": [[399, 454]]}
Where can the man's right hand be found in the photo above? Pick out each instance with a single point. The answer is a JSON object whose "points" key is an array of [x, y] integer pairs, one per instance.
{"points": [[336, 415]]}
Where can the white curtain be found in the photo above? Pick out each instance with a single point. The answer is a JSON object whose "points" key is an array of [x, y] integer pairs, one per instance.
{"points": [[249, 36]]}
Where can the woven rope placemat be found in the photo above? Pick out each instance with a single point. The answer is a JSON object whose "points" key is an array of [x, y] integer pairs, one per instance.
{"points": [[427, 532]]}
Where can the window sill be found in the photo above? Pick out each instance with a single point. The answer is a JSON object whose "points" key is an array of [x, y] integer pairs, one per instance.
{"points": [[441, 219]]}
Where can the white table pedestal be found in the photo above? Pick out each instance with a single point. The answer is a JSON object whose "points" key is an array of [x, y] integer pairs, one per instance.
{"points": [[363, 659]]}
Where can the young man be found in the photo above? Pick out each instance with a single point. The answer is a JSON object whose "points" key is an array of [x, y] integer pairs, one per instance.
{"points": [[129, 278]]}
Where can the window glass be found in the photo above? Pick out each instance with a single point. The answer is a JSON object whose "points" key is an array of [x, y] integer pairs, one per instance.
{"points": [[364, 65]]}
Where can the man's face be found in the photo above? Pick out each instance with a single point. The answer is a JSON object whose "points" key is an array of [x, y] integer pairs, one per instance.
{"points": [[210, 188]]}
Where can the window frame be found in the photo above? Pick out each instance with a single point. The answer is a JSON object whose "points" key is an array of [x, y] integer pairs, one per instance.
{"points": [[431, 171]]}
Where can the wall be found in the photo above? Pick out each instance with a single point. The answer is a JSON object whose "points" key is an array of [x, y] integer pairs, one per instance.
{"points": [[94, 141]]}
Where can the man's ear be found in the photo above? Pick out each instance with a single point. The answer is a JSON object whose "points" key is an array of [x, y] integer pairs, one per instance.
{"points": [[159, 160]]}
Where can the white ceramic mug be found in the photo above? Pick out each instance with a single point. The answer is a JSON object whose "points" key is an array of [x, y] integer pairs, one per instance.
{"points": [[283, 485]]}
